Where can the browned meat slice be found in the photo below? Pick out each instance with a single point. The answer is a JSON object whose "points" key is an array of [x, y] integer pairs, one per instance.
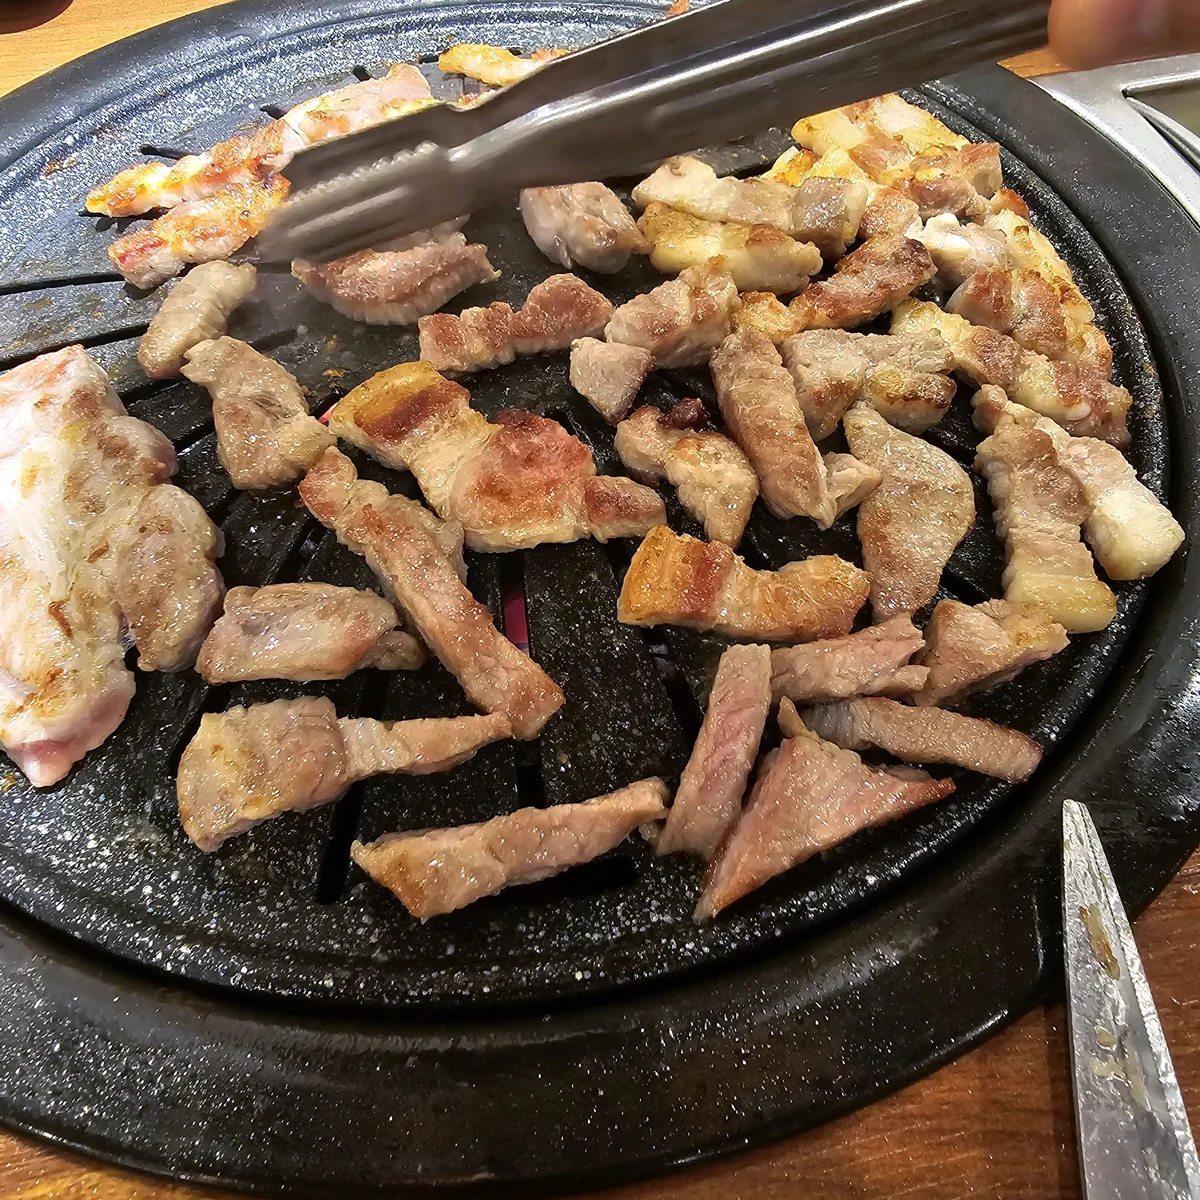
{"points": [[714, 479], [493, 65], [513, 483], [556, 312], [196, 310], [890, 211], [912, 522], [496, 676], [682, 321], [582, 224], [927, 735], [713, 782], [1080, 398], [959, 251], [265, 434], [809, 796], [768, 314], [396, 287], [1019, 303], [165, 580], [1039, 508], [850, 481], [304, 631], [250, 764], [609, 375], [758, 401], [874, 662], [973, 649], [677, 580], [902, 377], [435, 871]]}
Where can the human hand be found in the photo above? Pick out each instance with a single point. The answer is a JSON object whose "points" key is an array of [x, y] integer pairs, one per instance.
{"points": [[1091, 33]]}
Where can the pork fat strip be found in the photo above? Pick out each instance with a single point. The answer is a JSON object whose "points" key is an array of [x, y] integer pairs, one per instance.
{"points": [[397, 287], [680, 322], [710, 791], [197, 232], [582, 224], [556, 312], [435, 871], [1131, 532], [809, 796], [609, 375], [910, 525], [247, 765], [714, 479], [266, 436], [756, 256], [496, 676], [304, 631], [514, 483], [974, 649], [1079, 398], [960, 251], [493, 65], [758, 402], [874, 662], [825, 212], [197, 309], [677, 580], [927, 735], [1039, 509]]}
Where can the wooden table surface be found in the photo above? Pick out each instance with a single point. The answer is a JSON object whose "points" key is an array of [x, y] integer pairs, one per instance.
{"points": [[997, 1123]]}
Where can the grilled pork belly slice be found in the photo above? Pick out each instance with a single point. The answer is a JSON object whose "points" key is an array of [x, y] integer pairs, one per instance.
{"points": [[1131, 532], [609, 375], [513, 483], [556, 312], [435, 871], [680, 322], [582, 224], [197, 309], [1080, 398], [714, 479], [493, 65], [911, 523], [809, 796], [758, 402], [850, 481], [974, 649], [397, 287], [266, 436], [199, 231], [756, 256], [959, 251], [710, 791], [247, 765], [304, 631], [678, 580], [927, 735], [865, 123], [394, 535], [871, 663], [1019, 303], [1039, 509]]}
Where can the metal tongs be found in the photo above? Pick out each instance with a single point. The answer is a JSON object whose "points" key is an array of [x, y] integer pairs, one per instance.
{"points": [[729, 69], [1134, 1139]]}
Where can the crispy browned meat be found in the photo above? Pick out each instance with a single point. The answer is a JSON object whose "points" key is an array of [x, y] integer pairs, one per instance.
{"points": [[973, 649], [265, 434], [196, 310], [713, 782], [513, 483], [609, 375], [1019, 303], [396, 541], [304, 631], [909, 525], [434, 871], [677, 580], [890, 211], [927, 735], [809, 796], [493, 65], [250, 764], [714, 479], [556, 312], [871, 663], [582, 224]]}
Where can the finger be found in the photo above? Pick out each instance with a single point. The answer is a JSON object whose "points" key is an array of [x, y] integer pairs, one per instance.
{"points": [[1090, 33]]}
